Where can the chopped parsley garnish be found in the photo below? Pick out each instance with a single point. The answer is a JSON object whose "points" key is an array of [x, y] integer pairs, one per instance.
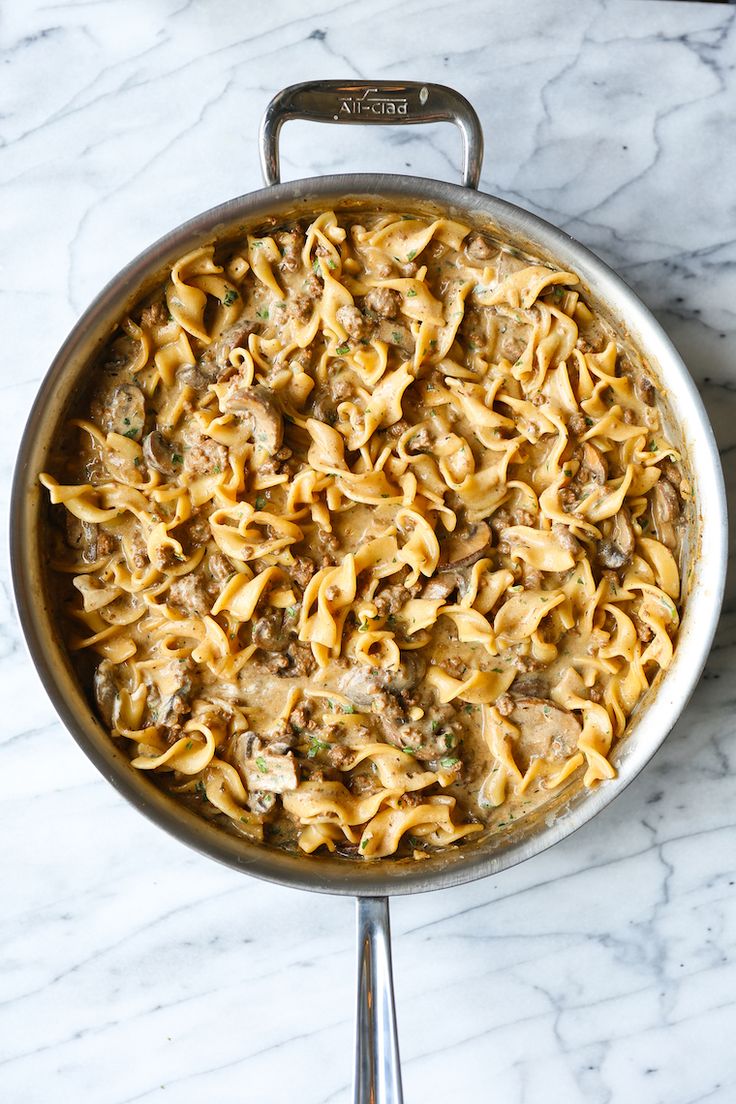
{"points": [[263, 313], [261, 764], [316, 746], [450, 761], [363, 844], [189, 745], [349, 709], [331, 264], [176, 458], [396, 337], [410, 256], [449, 739], [341, 350], [588, 421], [260, 502], [229, 297], [652, 446], [132, 433], [408, 751], [411, 293]]}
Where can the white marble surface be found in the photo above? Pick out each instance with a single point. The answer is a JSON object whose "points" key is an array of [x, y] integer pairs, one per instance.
{"points": [[132, 969]]}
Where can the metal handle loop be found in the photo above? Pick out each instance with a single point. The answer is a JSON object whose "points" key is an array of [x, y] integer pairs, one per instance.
{"points": [[377, 1065], [378, 103]]}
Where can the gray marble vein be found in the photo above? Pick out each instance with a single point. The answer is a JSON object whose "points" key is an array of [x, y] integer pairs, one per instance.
{"points": [[603, 971]]}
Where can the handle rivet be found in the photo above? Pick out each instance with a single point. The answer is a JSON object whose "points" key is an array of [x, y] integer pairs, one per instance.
{"points": [[423, 95]]}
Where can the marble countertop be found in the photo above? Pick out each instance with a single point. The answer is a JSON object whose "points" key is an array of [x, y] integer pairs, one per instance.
{"points": [[134, 970]]}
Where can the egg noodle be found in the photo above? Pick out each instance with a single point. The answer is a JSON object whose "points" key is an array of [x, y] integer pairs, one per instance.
{"points": [[367, 534]]}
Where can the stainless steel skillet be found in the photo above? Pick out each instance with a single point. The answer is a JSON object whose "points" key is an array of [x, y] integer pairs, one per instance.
{"points": [[377, 1072]]}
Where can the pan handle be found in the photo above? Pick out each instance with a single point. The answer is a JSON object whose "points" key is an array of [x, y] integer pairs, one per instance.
{"points": [[378, 102], [377, 1065]]}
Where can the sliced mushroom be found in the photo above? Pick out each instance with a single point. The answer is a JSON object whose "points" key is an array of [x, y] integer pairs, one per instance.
{"points": [[263, 769], [565, 538], [644, 389], [157, 453], [324, 409], [82, 537], [362, 683], [610, 556], [215, 361], [269, 632], [672, 473], [665, 506], [666, 500], [594, 462], [126, 412], [467, 546], [546, 730], [176, 706], [478, 248], [623, 531], [441, 586], [191, 376], [106, 691], [394, 333], [256, 403], [261, 802], [616, 551], [407, 675], [528, 684]]}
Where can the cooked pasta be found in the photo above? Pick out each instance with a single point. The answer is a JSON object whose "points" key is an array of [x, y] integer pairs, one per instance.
{"points": [[366, 535]]}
